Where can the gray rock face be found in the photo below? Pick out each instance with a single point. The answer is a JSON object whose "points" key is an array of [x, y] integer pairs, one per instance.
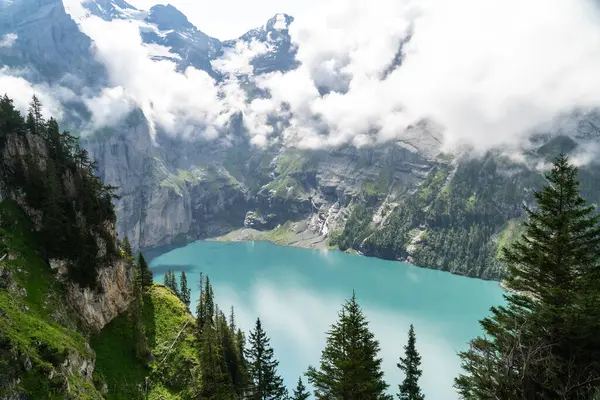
{"points": [[98, 308], [49, 44]]}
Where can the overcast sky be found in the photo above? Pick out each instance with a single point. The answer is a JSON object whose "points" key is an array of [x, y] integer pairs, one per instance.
{"points": [[228, 19]]}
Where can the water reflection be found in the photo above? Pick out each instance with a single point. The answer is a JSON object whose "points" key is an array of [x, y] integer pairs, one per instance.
{"points": [[298, 293]]}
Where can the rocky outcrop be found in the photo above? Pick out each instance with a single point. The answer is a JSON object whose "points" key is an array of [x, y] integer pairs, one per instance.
{"points": [[97, 307]]}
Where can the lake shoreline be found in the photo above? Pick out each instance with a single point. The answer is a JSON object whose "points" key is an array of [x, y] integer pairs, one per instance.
{"points": [[310, 241], [291, 234]]}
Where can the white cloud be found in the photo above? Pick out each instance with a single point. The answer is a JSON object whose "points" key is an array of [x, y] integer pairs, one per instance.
{"points": [[21, 92], [8, 40], [185, 103], [109, 107], [229, 19], [483, 81], [236, 61]]}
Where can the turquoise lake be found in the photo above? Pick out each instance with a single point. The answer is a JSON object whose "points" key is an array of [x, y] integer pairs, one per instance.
{"points": [[298, 292]]}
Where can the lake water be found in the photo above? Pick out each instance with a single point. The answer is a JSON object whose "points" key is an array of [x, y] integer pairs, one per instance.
{"points": [[297, 294]]}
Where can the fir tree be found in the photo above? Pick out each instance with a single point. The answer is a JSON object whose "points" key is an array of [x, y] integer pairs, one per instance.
{"points": [[35, 119], [300, 393], [139, 329], [541, 345], [234, 358], [126, 247], [166, 278], [350, 367], [209, 301], [409, 389], [171, 283], [266, 384], [145, 270], [216, 382], [200, 308], [185, 292]]}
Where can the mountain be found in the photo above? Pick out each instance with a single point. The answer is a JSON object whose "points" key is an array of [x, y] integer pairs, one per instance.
{"points": [[402, 200], [48, 43]]}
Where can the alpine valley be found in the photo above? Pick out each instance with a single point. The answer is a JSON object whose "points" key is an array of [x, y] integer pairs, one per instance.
{"points": [[403, 199]]}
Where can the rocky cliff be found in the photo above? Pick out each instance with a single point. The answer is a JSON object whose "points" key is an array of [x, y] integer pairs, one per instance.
{"points": [[96, 305]]}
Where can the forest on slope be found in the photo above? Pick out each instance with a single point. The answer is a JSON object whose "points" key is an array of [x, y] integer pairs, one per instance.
{"points": [[542, 344]]}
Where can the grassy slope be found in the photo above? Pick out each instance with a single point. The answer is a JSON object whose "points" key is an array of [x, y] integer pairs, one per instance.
{"points": [[36, 326], [124, 374]]}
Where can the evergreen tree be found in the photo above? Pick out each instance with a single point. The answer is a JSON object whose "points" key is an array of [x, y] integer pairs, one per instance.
{"points": [[171, 283], [300, 392], [409, 389], [200, 306], [233, 356], [350, 367], [262, 366], [11, 120], [147, 277], [209, 301], [186, 293], [126, 247], [541, 345], [35, 119], [216, 382], [76, 210], [136, 312]]}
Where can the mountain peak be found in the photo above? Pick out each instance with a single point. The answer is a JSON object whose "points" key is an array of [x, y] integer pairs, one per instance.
{"points": [[109, 9], [279, 22], [167, 17]]}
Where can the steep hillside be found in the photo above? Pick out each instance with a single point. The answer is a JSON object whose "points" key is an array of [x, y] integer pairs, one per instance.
{"points": [[174, 369], [64, 276], [43, 353]]}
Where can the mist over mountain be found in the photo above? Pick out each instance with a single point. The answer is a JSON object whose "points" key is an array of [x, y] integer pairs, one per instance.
{"points": [[341, 129]]}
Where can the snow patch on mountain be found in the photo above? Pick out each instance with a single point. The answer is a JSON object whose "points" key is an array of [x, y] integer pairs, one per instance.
{"points": [[280, 22]]}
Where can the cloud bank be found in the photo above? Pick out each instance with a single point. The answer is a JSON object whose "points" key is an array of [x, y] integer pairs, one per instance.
{"points": [[485, 73], [489, 73], [8, 40]]}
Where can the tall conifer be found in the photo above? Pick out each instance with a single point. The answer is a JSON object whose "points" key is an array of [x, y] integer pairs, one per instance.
{"points": [[185, 291], [541, 345], [262, 366], [300, 393], [409, 389], [350, 366]]}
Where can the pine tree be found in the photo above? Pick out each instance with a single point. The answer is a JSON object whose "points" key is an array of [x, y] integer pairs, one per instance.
{"points": [[300, 392], [541, 345], [185, 292], [409, 389], [262, 366], [145, 270], [350, 367]]}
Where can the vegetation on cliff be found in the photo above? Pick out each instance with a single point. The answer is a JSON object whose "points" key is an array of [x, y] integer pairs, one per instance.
{"points": [[47, 172]]}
